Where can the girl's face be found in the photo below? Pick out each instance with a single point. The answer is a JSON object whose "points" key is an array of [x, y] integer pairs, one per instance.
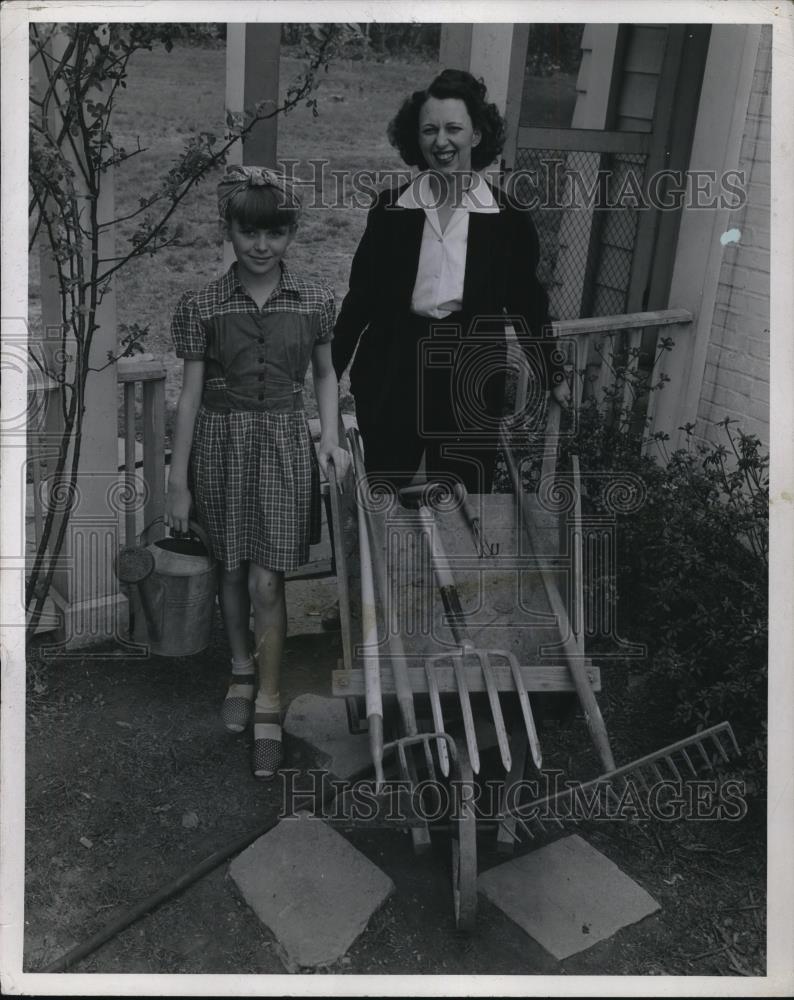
{"points": [[258, 251], [446, 134]]}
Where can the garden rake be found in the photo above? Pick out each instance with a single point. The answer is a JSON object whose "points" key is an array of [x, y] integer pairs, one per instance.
{"points": [[690, 755]]}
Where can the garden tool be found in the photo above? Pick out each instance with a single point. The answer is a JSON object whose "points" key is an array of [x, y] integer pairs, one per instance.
{"points": [[456, 620], [369, 624], [573, 643], [719, 738], [341, 568], [484, 550], [397, 660]]}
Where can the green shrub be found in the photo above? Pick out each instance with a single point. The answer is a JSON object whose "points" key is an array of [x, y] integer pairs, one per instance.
{"points": [[692, 561]]}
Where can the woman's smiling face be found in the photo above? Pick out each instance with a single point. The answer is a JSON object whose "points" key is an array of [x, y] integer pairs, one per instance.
{"points": [[446, 134]]}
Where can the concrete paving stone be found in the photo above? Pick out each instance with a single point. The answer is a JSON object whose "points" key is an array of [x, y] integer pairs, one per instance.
{"points": [[566, 895], [311, 888], [322, 722]]}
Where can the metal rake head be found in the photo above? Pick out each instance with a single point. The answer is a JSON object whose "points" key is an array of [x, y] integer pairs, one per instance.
{"points": [[443, 740], [610, 795]]}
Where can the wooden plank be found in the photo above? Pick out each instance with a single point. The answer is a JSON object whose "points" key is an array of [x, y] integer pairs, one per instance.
{"points": [[661, 365], [137, 370], [153, 451], [551, 443], [129, 462], [645, 49], [515, 87], [594, 82], [38, 522], [455, 44], [633, 341], [606, 372], [582, 355], [581, 139], [553, 677], [638, 96], [260, 71], [645, 247], [676, 157], [620, 321], [636, 126]]}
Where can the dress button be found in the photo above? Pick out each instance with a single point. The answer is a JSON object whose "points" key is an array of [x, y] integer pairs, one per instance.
{"points": [[261, 361], [261, 378], [261, 340], [261, 396]]}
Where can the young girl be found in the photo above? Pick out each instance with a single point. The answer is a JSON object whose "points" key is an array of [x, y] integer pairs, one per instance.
{"points": [[242, 453]]}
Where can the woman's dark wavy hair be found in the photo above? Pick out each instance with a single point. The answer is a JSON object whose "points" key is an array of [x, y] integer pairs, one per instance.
{"points": [[403, 130]]}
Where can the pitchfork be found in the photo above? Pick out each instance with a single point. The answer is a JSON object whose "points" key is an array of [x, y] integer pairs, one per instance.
{"points": [[456, 621]]}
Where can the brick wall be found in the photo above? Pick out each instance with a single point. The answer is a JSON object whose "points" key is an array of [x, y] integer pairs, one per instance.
{"points": [[736, 379]]}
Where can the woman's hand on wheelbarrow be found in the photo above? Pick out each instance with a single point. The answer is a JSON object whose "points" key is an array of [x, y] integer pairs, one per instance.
{"points": [[562, 393], [340, 457], [177, 508]]}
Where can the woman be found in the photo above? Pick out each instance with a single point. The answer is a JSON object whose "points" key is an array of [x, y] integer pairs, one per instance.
{"points": [[442, 261]]}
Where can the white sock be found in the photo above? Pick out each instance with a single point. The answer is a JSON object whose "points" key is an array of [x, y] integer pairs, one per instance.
{"points": [[245, 667]]}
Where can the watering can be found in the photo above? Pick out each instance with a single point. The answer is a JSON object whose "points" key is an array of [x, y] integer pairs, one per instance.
{"points": [[177, 579]]}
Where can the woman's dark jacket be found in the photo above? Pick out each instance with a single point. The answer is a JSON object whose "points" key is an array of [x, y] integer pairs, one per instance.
{"points": [[501, 261]]}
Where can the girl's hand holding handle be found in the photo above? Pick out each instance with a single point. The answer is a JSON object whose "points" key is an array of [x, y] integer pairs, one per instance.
{"points": [[177, 508], [339, 456]]}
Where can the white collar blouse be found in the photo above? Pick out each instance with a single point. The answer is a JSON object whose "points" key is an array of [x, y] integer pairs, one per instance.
{"points": [[438, 289]]}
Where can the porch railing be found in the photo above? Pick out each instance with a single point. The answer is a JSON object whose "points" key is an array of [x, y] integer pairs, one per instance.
{"points": [[595, 343], [150, 376]]}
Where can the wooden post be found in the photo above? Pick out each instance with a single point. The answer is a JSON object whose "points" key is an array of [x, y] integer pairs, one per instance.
{"points": [[85, 587], [496, 53], [716, 144], [252, 79], [252, 76], [455, 48]]}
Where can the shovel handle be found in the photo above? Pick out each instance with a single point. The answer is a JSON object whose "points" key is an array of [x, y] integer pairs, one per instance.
{"points": [[342, 582]]}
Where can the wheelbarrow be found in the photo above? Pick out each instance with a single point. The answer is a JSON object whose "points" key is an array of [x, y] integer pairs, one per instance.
{"points": [[458, 613]]}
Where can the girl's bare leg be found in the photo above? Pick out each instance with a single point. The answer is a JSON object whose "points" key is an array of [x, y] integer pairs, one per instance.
{"points": [[266, 590], [236, 609]]}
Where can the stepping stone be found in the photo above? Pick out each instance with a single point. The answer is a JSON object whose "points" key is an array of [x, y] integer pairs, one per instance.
{"points": [[567, 896], [322, 722], [311, 888]]}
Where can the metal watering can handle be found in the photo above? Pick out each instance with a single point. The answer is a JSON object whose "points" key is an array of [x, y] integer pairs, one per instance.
{"points": [[194, 526]]}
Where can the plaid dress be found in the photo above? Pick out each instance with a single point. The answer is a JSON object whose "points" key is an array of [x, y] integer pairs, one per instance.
{"points": [[253, 471]]}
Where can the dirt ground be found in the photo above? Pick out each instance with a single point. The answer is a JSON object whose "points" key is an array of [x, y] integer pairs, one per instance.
{"points": [[131, 781]]}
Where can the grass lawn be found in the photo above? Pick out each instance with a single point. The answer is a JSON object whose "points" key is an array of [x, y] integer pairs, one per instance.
{"points": [[170, 97]]}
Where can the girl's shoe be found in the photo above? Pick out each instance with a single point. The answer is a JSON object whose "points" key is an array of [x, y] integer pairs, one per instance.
{"points": [[268, 753], [236, 708]]}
